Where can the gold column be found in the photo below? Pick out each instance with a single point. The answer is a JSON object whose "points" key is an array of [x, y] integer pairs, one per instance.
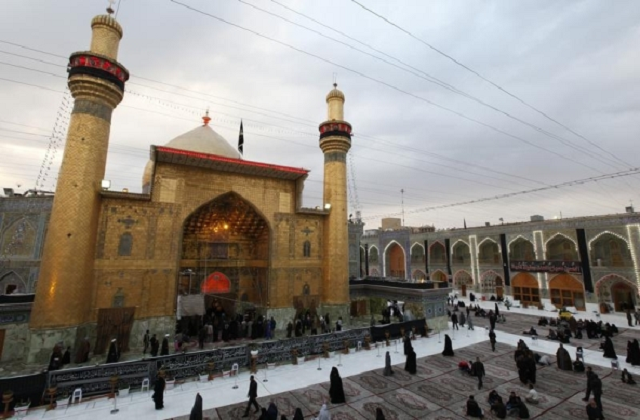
{"points": [[335, 142], [65, 282]]}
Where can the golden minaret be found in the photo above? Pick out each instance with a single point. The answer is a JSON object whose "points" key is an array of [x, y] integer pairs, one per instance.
{"points": [[65, 282], [335, 142]]}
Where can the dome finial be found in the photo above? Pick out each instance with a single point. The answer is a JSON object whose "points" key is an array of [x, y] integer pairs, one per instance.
{"points": [[206, 117]]}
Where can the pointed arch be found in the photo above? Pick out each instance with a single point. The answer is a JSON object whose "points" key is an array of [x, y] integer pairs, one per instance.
{"points": [[439, 276], [521, 249], [460, 252], [374, 254], [11, 282], [618, 290], [395, 258], [489, 252], [461, 277], [609, 249], [419, 275], [418, 255], [561, 247], [437, 253], [492, 282], [19, 238]]}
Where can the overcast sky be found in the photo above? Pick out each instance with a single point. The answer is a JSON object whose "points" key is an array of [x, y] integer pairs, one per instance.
{"points": [[576, 61]]}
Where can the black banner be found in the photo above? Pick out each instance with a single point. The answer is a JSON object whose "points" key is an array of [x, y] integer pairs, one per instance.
{"points": [[546, 266]]}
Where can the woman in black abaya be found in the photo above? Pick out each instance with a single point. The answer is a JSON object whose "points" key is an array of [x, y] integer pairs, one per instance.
{"points": [[113, 356], [158, 392], [407, 345], [387, 365], [411, 364], [448, 346], [633, 353], [609, 351], [336, 391]]}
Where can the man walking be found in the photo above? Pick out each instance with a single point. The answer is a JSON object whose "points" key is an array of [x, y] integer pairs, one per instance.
{"points": [[478, 370], [492, 340], [253, 394], [454, 321], [145, 341]]}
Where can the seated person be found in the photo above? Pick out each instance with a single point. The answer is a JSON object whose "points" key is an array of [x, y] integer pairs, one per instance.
{"points": [[473, 409], [578, 366], [532, 331], [482, 313], [465, 366], [627, 378], [532, 396], [563, 338], [579, 334], [614, 329], [552, 335], [499, 410], [553, 322], [492, 298], [523, 411], [543, 360], [512, 403], [493, 397], [542, 322]]}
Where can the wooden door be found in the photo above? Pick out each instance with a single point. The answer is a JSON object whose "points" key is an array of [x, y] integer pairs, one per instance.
{"points": [[620, 296], [499, 292], [464, 290], [114, 323]]}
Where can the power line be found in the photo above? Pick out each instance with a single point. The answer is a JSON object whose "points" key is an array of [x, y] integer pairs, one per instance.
{"points": [[628, 172], [458, 63], [291, 116], [363, 75], [432, 79]]}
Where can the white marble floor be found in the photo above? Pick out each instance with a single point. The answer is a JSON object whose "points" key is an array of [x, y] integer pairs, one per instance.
{"points": [[217, 393]]}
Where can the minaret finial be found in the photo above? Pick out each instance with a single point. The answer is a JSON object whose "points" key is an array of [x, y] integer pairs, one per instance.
{"points": [[110, 8], [206, 117]]}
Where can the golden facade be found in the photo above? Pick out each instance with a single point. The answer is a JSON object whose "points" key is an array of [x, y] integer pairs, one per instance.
{"points": [[201, 213]]}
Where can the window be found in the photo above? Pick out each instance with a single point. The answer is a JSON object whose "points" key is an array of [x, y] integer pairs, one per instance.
{"points": [[306, 249], [126, 245]]}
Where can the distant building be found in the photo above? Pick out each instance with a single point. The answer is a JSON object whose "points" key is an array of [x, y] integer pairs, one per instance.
{"points": [[567, 262]]}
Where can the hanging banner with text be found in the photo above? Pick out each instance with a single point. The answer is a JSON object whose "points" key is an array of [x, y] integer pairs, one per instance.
{"points": [[546, 266]]}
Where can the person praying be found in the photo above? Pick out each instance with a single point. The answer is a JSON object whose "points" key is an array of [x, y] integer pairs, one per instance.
{"points": [[298, 414], [324, 413], [627, 378], [387, 365], [379, 414], [473, 409], [196, 411], [66, 357], [336, 391], [448, 346]]}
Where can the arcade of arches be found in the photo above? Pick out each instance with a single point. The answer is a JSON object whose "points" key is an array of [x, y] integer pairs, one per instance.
{"points": [[395, 261], [225, 238], [565, 290], [525, 289]]}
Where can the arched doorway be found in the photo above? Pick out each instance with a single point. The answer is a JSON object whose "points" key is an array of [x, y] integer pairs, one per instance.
{"points": [[225, 241], [623, 295], [565, 291], [526, 289], [419, 276], [438, 276], [492, 284], [395, 261], [462, 280]]}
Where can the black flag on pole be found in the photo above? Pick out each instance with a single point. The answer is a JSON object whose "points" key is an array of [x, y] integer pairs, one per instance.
{"points": [[465, 223], [241, 140]]}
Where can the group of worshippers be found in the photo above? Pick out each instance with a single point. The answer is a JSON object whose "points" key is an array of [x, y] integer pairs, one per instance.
{"points": [[61, 358], [154, 345], [312, 323], [526, 363]]}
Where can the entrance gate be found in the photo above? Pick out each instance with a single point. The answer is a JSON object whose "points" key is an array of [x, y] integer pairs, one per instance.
{"points": [[114, 323]]}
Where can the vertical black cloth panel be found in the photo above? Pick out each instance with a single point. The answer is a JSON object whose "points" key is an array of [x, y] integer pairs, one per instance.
{"points": [[426, 258], [447, 245], [584, 260], [505, 259], [366, 260]]}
